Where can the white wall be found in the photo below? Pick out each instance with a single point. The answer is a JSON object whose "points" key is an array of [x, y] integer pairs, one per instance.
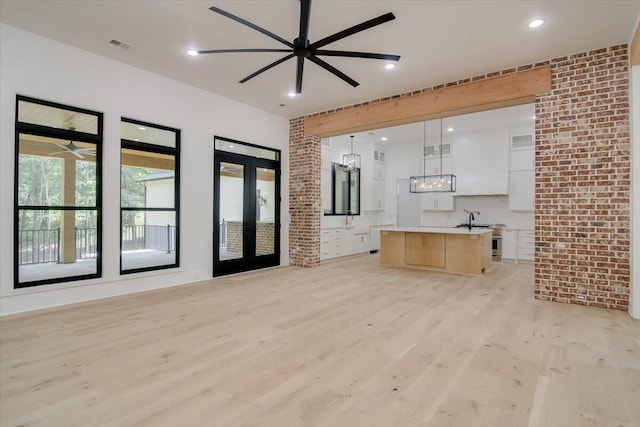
{"points": [[493, 210], [268, 192], [231, 208], [35, 66], [634, 306]]}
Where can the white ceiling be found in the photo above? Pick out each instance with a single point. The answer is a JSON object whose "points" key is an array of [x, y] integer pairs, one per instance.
{"points": [[439, 41]]}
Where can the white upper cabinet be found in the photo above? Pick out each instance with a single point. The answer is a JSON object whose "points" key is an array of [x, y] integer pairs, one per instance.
{"points": [[521, 190], [481, 163], [373, 197], [522, 172]]}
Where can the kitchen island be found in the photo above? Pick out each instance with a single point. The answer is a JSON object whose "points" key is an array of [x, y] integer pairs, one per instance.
{"points": [[454, 250]]}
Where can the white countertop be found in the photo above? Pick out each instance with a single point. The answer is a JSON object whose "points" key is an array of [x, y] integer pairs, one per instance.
{"points": [[444, 230]]}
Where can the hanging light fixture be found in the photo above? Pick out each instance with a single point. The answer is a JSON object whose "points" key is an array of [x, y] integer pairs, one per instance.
{"points": [[442, 183], [351, 161]]}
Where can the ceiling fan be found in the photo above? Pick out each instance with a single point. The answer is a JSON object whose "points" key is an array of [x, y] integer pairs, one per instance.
{"points": [[301, 48], [73, 149]]}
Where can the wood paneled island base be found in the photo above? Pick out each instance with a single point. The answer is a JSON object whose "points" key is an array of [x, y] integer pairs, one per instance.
{"points": [[453, 250]]}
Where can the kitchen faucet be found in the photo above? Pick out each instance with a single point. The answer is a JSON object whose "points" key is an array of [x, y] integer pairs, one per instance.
{"points": [[471, 217], [346, 217]]}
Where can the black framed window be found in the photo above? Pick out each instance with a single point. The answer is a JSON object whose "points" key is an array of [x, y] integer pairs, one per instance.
{"points": [[345, 191], [57, 193], [149, 197]]}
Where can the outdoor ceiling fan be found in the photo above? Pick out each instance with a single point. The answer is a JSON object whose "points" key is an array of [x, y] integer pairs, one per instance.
{"points": [[301, 48], [73, 149]]}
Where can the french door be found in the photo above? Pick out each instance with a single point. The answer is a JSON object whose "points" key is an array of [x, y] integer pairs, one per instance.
{"points": [[246, 212]]}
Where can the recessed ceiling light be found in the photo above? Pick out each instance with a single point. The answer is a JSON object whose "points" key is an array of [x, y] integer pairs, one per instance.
{"points": [[536, 23], [230, 146], [142, 128], [384, 138], [389, 66], [533, 117], [450, 129], [292, 94], [136, 139], [193, 52]]}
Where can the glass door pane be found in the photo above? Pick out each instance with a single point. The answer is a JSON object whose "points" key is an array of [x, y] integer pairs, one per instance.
{"points": [[231, 202], [265, 211]]}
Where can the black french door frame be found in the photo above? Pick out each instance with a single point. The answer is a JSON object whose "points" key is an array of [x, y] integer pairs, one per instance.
{"points": [[249, 260]]}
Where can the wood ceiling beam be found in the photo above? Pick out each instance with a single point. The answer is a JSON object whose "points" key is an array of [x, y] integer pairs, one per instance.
{"points": [[634, 51], [497, 92]]}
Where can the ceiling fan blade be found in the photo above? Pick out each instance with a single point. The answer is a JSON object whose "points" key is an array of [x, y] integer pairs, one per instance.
{"points": [[353, 30], [299, 75], [262, 70], [64, 147], [305, 13], [78, 155], [333, 70], [251, 25], [350, 54], [242, 50]]}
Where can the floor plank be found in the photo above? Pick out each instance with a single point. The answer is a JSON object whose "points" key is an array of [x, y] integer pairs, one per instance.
{"points": [[349, 343]]}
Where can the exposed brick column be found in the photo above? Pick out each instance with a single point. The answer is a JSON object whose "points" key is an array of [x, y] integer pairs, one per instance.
{"points": [[583, 181], [305, 203]]}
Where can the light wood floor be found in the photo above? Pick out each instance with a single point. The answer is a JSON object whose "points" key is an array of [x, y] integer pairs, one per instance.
{"points": [[347, 344]]}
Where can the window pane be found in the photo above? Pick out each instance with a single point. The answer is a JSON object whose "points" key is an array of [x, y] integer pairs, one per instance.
{"points": [[148, 134], [55, 243], [341, 190], [231, 225], [54, 172], [247, 150], [265, 211], [148, 239], [354, 200], [147, 180], [43, 115]]}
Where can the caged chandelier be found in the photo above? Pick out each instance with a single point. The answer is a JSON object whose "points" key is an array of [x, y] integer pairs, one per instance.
{"points": [[351, 161], [442, 183]]}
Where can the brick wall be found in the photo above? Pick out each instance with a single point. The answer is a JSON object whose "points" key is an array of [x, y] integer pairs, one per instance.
{"points": [[304, 196], [582, 180], [265, 233]]}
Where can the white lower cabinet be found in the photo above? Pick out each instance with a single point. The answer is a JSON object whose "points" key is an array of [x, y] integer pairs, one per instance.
{"points": [[509, 239], [526, 245], [343, 241], [518, 244]]}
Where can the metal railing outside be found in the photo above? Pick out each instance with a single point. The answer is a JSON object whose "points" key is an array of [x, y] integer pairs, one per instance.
{"points": [[43, 246], [38, 246]]}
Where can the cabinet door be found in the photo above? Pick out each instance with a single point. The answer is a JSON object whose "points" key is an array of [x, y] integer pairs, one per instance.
{"points": [[526, 245], [509, 244], [521, 160], [425, 249], [437, 202], [521, 190], [392, 248], [378, 194], [445, 202]]}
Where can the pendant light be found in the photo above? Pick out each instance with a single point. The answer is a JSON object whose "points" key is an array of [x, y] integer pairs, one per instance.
{"points": [[442, 183], [351, 161]]}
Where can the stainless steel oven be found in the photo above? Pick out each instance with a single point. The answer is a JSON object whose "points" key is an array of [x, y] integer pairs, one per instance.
{"points": [[496, 243]]}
